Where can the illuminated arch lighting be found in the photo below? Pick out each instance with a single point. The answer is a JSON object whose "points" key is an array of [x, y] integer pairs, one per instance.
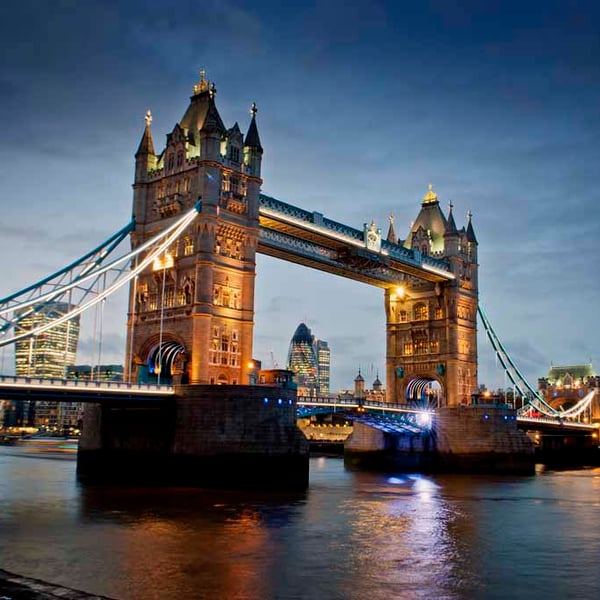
{"points": [[166, 353], [416, 389]]}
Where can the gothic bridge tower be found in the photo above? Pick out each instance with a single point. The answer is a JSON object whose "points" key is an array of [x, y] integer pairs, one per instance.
{"points": [[192, 313], [431, 332]]}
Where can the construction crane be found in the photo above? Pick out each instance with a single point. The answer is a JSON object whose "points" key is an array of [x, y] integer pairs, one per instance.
{"points": [[273, 361]]}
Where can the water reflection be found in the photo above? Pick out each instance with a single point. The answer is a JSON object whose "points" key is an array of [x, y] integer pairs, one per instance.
{"points": [[352, 535]]}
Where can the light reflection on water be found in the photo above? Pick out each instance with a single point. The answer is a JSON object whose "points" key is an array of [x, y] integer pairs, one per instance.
{"points": [[352, 535]]}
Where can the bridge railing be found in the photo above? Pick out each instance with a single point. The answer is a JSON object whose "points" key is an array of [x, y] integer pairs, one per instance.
{"points": [[559, 421], [54, 383], [355, 402]]}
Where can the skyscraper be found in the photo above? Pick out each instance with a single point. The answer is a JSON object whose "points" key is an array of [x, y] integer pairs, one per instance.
{"points": [[51, 352], [48, 354], [309, 360], [323, 360]]}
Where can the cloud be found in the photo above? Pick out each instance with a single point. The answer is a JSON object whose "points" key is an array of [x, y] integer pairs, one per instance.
{"points": [[21, 232]]}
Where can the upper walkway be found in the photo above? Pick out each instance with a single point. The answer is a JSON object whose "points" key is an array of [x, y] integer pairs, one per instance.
{"points": [[308, 238]]}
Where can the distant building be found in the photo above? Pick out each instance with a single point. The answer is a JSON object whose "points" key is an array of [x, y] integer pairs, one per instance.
{"points": [[50, 353], [375, 394], [47, 355], [309, 360], [302, 361], [323, 362], [564, 386]]}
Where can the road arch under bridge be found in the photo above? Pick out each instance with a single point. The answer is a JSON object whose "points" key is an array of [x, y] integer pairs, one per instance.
{"points": [[201, 292]]}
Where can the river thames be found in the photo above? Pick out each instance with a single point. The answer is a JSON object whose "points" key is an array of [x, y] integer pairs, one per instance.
{"points": [[352, 535]]}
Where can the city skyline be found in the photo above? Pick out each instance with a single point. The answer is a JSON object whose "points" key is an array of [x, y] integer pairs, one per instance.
{"points": [[499, 112]]}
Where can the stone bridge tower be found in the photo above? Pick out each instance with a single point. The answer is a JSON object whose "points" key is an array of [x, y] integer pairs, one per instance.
{"points": [[431, 332], [191, 315]]}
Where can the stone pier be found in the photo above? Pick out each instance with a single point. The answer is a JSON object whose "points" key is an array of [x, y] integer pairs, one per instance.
{"points": [[473, 439], [207, 436], [481, 439]]}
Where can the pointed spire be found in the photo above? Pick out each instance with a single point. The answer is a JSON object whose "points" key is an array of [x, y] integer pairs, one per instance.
{"points": [[391, 236], [470, 232], [252, 139], [146, 145], [212, 121], [450, 223]]}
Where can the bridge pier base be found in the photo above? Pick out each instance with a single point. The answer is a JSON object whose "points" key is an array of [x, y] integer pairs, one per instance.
{"points": [[371, 448], [207, 436], [470, 439], [481, 439]]}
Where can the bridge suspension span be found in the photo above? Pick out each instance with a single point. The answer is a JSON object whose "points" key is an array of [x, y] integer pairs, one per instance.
{"points": [[86, 282], [533, 401]]}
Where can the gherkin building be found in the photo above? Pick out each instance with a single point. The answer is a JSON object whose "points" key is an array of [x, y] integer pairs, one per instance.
{"points": [[302, 360]]}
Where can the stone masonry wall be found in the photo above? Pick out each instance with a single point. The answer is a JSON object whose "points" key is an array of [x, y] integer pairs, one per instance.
{"points": [[479, 429], [213, 419]]}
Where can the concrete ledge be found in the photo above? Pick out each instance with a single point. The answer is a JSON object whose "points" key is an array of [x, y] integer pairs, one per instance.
{"points": [[17, 587]]}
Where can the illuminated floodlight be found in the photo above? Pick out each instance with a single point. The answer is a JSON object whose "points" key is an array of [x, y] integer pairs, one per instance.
{"points": [[424, 419]]}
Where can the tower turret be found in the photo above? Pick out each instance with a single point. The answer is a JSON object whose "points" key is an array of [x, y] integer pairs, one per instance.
{"points": [[359, 386], [472, 248], [145, 157], [471, 239], [427, 232], [212, 130], [391, 236], [377, 384], [253, 150], [451, 235]]}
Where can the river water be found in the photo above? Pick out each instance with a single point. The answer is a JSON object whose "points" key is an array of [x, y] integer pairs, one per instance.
{"points": [[352, 535]]}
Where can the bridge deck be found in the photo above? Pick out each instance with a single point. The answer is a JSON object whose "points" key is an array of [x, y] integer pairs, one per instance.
{"points": [[72, 390]]}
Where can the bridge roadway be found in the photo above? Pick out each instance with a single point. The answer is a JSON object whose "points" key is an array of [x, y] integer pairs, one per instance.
{"points": [[73, 390], [545, 423]]}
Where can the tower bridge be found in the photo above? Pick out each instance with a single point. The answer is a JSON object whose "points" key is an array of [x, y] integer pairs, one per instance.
{"points": [[199, 219]]}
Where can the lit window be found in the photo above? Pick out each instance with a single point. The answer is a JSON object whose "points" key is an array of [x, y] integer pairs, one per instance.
{"points": [[420, 312]]}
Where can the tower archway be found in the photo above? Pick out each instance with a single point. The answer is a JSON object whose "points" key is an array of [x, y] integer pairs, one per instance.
{"points": [[424, 392], [166, 360]]}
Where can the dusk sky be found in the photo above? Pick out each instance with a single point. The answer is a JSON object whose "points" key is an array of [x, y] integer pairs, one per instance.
{"points": [[360, 106]]}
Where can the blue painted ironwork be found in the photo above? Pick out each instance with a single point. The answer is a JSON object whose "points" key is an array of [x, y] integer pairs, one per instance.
{"points": [[354, 238]]}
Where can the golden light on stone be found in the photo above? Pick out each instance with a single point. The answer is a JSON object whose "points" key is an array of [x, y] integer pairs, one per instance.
{"points": [[163, 262]]}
